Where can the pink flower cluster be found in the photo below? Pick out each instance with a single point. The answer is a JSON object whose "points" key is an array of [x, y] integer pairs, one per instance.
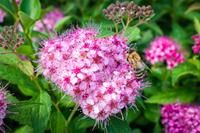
{"points": [[196, 47], [181, 118], [94, 71], [164, 49], [50, 20], [2, 15], [3, 107], [18, 2]]}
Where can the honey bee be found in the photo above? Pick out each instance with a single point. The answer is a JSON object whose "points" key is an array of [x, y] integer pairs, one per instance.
{"points": [[137, 64]]}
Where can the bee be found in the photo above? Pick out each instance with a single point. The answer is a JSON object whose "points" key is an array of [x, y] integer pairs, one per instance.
{"points": [[137, 64]]}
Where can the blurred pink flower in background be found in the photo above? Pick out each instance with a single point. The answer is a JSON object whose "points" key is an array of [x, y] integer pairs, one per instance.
{"points": [[94, 71], [50, 20], [164, 49], [2, 15], [3, 107], [181, 118], [196, 47], [18, 1]]}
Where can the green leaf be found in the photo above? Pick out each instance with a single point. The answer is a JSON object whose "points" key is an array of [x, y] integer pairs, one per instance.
{"points": [[195, 62], [27, 22], [155, 27], [79, 125], [24, 129], [32, 8], [63, 99], [152, 113], [15, 76], [40, 115], [157, 128], [195, 6], [57, 122], [12, 59], [184, 69], [172, 96], [35, 113], [191, 15], [39, 35], [10, 98], [160, 73], [59, 25], [26, 50], [8, 7], [179, 34], [105, 33], [26, 67], [118, 126], [22, 109], [197, 25], [136, 130], [132, 115], [132, 33]]}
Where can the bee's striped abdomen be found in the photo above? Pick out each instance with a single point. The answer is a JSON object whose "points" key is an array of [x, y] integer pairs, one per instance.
{"points": [[140, 73]]}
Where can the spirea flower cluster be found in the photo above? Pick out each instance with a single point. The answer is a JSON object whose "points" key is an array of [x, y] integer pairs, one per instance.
{"points": [[181, 118], [2, 15], [164, 49], [49, 20], [94, 71], [196, 47], [3, 106]]}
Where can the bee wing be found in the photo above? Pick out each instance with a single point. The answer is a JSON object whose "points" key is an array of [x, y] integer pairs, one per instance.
{"points": [[146, 66]]}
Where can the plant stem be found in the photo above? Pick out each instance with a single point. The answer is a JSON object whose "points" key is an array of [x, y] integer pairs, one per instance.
{"points": [[45, 27], [60, 100], [72, 114], [19, 21], [56, 106], [122, 23], [127, 23], [142, 21], [116, 27], [8, 53], [35, 80]]}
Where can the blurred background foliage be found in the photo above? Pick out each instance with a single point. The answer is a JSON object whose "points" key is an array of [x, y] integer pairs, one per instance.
{"points": [[38, 106]]}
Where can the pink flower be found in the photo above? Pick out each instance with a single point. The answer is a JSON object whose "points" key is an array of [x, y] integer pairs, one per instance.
{"points": [[3, 107], [196, 47], [181, 118], [50, 20], [18, 2], [164, 49], [2, 15], [94, 71]]}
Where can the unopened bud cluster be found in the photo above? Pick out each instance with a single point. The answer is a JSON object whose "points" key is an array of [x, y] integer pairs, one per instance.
{"points": [[10, 39], [119, 10]]}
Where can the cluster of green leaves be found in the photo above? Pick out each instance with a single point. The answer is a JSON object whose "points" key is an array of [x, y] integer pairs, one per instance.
{"points": [[37, 106]]}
